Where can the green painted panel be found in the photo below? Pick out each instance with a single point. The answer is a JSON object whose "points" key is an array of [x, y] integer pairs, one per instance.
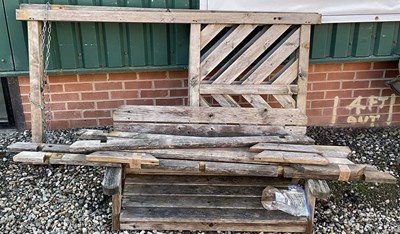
{"points": [[321, 40], [159, 37], [3, 109], [6, 61], [341, 37], [363, 40], [384, 42]]}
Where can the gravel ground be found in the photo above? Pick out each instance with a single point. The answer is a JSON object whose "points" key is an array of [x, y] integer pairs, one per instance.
{"points": [[68, 199]]}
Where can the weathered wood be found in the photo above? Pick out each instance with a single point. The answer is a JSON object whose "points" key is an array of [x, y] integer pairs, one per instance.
{"points": [[318, 189], [311, 204], [286, 101], [194, 65], [328, 172], [202, 130], [288, 75], [93, 134], [116, 211], [215, 115], [209, 32], [112, 181], [247, 89], [135, 160], [304, 51], [334, 151], [372, 175], [171, 141], [24, 146], [45, 158], [291, 157], [140, 15], [191, 167], [36, 74], [289, 226], [260, 147]]}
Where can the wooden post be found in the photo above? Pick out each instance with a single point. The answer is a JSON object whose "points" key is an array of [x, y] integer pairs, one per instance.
{"points": [[304, 51], [194, 65], [36, 79], [311, 205]]}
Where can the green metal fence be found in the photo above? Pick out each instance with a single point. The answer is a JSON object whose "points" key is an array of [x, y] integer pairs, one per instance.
{"points": [[103, 47]]}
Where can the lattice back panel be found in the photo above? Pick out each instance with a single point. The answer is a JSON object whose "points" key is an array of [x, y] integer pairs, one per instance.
{"points": [[246, 65]]}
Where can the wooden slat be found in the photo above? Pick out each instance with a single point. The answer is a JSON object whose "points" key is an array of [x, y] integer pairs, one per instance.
{"points": [[203, 102], [170, 142], [286, 101], [194, 65], [224, 48], [311, 205], [333, 151], [286, 147], [328, 172], [319, 188], [247, 89], [257, 101], [138, 15], [215, 115], [251, 54], [36, 79], [304, 51], [116, 211], [206, 180], [205, 215], [200, 129], [24, 146], [289, 226], [372, 175], [211, 201], [288, 75], [291, 157], [122, 157], [225, 101], [275, 59], [30, 157], [209, 32]]}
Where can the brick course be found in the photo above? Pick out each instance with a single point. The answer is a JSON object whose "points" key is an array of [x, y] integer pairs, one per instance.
{"points": [[343, 94]]}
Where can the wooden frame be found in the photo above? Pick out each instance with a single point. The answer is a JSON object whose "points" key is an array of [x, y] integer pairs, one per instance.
{"points": [[36, 13]]}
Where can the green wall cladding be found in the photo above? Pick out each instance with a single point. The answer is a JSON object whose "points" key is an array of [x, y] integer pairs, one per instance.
{"points": [[93, 47]]}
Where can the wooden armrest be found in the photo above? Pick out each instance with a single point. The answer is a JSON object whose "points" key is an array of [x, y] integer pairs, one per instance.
{"points": [[319, 189], [112, 181]]}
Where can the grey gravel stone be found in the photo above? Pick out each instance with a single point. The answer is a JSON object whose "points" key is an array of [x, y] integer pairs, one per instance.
{"points": [[68, 199]]}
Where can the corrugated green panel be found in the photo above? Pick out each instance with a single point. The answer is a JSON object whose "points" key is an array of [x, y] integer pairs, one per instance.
{"points": [[397, 40], [363, 40], [321, 40], [384, 43], [6, 61], [342, 34]]}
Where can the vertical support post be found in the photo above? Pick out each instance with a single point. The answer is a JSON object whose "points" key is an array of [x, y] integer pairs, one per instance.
{"points": [[311, 205], [304, 51], [116, 211], [36, 79], [194, 65]]}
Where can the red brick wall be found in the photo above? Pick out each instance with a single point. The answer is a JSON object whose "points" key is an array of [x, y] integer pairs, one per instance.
{"points": [[343, 94]]}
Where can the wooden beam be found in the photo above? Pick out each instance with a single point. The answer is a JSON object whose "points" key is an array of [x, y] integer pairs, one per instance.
{"points": [[194, 65], [36, 78], [112, 181], [247, 89], [304, 51], [141, 15]]}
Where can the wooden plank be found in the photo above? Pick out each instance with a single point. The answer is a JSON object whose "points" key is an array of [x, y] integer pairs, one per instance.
{"points": [[311, 204], [112, 181], [57, 158], [140, 15], [209, 33], [189, 167], [154, 201], [230, 181], [288, 75], [171, 141], [133, 159], [304, 52], [226, 46], [215, 115], [24, 146], [36, 79], [291, 157], [194, 65], [334, 151], [200, 129], [328, 172], [251, 54], [344, 161], [247, 89], [318, 189], [286, 101], [116, 211], [275, 58], [257, 101], [290, 226], [372, 175], [205, 215], [286, 147], [225, 101]]}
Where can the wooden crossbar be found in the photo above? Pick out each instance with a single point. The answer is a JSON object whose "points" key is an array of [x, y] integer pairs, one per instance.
{"points": [[142, 15]]}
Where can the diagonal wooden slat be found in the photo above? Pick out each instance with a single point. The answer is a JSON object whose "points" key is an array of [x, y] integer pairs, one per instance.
{"points": [[288, 75], [225, 47], [203, 102], [209, 32], [274, 60], [247, 89], [225, 101], [251, 54], [257, 101], [286, 101]]}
